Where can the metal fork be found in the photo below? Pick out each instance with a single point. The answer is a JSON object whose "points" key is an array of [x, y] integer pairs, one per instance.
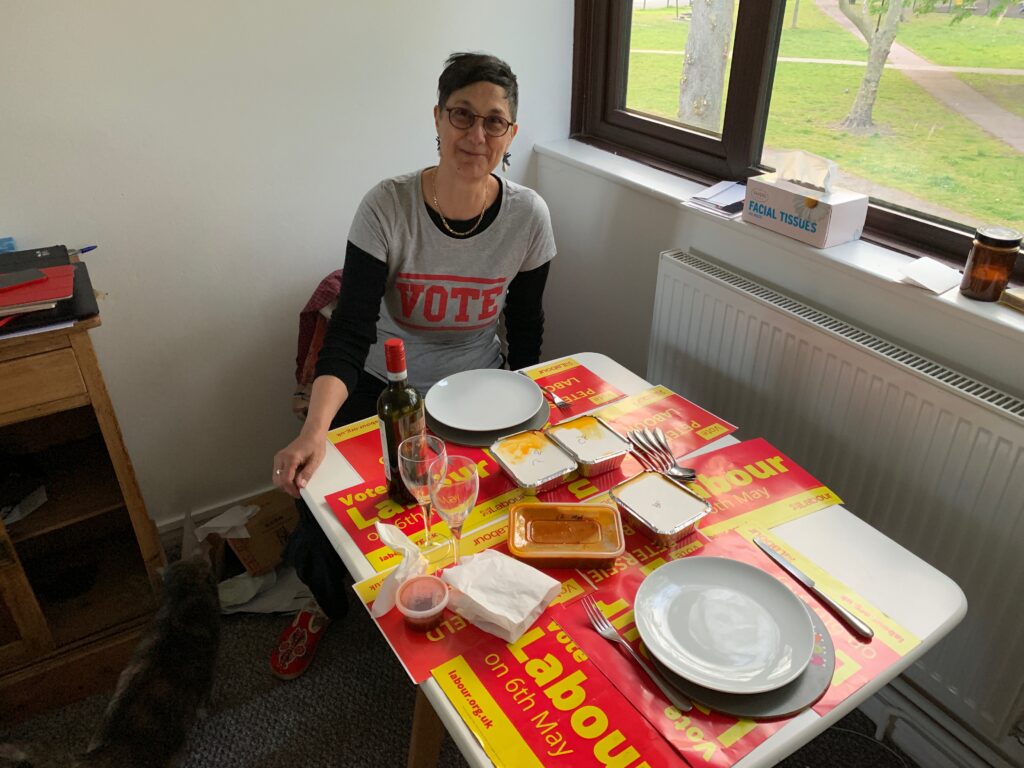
{"points": [[658, 437], [658, 457], [559, 402], [664, 457], [644, 452], [604, 628]]}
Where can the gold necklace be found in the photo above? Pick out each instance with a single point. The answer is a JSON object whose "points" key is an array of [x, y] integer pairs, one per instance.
{"points": [[444, 221]]}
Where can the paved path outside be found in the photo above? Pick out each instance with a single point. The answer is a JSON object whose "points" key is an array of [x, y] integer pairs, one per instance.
{"points": [[945, 86]]}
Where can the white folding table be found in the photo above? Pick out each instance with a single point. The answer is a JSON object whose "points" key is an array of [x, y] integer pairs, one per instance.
{"points": [[926, 602]]}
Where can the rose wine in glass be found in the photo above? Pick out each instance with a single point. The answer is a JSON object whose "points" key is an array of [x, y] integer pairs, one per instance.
{"points": [[417, 456], [453, 490]]}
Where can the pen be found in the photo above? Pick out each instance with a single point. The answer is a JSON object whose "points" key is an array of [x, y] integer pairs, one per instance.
{"points": [[80, 251]]}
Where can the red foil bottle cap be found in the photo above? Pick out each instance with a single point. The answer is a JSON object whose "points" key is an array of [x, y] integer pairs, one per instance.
{"points": [[394, 355]]}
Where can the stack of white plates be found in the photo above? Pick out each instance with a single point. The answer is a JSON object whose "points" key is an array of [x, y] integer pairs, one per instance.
{"points": [[732, 637], [478, 407]]}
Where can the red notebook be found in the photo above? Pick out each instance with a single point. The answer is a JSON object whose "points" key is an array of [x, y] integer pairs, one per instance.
{"points": [[59, 285]]}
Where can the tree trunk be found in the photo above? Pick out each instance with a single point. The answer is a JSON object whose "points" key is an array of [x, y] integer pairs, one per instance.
{"points": [[856, 15], [881, 43], [707, 55]]}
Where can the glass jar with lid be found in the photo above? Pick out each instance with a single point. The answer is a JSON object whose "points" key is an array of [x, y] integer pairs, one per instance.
{"points": [[990, 262]]}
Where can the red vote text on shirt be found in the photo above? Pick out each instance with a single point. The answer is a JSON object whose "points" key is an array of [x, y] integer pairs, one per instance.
{"points": [[448, 302]]}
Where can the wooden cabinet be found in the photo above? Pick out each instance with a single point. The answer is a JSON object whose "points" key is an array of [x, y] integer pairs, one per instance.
{"points": [[78, 576]]}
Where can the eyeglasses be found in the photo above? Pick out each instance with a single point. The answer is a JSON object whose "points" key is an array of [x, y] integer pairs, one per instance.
{"points": [[463, 119]]}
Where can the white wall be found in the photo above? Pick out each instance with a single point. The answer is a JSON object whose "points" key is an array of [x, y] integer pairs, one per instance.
{"points": [[216, 152]]}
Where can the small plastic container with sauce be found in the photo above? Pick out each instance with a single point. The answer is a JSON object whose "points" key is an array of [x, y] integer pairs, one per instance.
{"points": [[421, 600], [565, 535], [594, 445], [990, 263], [663, 509], [533, 460]]}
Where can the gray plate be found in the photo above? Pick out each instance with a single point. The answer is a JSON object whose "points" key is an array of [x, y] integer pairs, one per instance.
{"points": [[788, 700], [484, 439]]}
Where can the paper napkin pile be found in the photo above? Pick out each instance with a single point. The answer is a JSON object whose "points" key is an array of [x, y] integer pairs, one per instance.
{"points": [[499, 594], [413, 564]]}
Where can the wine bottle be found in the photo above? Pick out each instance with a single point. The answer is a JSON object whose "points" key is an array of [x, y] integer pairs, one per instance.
{"points": [[399, 415]]}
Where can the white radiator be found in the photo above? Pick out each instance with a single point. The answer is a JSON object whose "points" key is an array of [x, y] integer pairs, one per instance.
{"points": [[931, 457]]}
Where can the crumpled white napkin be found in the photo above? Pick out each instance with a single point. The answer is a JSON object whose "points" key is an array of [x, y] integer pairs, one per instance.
{"points": [[499, 594], [413, 564]]}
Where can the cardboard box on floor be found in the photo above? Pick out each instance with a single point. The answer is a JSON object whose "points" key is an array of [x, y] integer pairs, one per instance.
{"points": [[269, 529]]}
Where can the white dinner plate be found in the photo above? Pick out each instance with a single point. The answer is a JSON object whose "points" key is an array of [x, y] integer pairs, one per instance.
{"points": [[723, 624], [485, 439], [484, 400]]}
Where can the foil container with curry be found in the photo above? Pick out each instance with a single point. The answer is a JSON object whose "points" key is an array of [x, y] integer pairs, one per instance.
{"points": [[592, 443], [533, 460]]}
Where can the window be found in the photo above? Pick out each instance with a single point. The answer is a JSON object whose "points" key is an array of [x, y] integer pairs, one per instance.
{"points": [[718, 88]]}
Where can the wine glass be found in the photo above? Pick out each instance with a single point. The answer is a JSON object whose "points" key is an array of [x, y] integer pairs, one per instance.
{"points": [[453, 489], [416, 456]]}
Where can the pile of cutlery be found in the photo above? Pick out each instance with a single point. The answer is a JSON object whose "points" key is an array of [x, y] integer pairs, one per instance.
{"points": [[652, 449]]}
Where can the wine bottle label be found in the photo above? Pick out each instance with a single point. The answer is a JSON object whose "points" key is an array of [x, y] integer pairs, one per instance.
{"points": [[412, 424], [382, 428]]}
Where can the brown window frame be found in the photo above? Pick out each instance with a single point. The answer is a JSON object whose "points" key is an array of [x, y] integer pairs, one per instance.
{"points": [[600, 62]]}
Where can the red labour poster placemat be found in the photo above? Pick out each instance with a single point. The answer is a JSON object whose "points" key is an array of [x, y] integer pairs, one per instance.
{"points": [[576, 384], [541, 702], [359, 507], [755, 481], [687, 425]]}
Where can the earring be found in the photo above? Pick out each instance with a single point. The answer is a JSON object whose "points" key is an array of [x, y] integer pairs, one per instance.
{"points": [[438, 140], [506, 161]]}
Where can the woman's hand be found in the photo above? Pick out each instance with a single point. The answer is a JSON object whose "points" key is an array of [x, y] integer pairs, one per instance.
{"points": [[295, 463]]}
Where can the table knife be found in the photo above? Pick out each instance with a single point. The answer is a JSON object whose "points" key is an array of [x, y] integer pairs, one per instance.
{"points": [[857, 625]]}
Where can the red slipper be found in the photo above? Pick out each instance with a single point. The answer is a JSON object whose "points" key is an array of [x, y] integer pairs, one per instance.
{"points": [[297, 644]]}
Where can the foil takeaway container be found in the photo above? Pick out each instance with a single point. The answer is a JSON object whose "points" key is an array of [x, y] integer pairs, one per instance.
{"points": [[663, 509], [533, 460], [592, 443]]}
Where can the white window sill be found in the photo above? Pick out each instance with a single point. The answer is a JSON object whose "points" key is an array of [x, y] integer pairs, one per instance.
{"points": [[823, 274]]}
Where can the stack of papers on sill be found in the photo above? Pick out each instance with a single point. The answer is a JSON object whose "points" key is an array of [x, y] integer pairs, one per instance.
{"points": [[1013, 298], [724, 199], [931, 275]]}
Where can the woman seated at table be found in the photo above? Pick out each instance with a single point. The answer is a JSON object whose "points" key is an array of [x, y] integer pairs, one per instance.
{"points": [[433, 258]]}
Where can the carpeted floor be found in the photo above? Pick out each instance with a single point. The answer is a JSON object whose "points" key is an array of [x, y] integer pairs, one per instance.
{"points": [[353, 708]]}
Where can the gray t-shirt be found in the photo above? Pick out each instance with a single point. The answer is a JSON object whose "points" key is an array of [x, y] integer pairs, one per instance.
{"points": [[444, 295]]}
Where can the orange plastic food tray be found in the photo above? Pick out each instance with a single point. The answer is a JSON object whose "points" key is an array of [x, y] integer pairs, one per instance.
{"points": [[550, 535]]}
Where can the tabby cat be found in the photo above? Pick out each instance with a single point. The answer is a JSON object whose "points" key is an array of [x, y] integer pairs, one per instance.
{"points": [[160, 692]]}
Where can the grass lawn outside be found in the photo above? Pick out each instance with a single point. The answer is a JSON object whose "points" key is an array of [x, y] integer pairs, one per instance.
{"points": [[818, 37], [1005, 90], [657, 29], [977, 41], [920, 148]]}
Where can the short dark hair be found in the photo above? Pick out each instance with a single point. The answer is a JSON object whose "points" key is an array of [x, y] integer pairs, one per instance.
{"points": [[462, 69]]}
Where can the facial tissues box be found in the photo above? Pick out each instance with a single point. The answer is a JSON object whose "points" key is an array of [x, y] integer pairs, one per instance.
{"points": [[799, 201]]}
